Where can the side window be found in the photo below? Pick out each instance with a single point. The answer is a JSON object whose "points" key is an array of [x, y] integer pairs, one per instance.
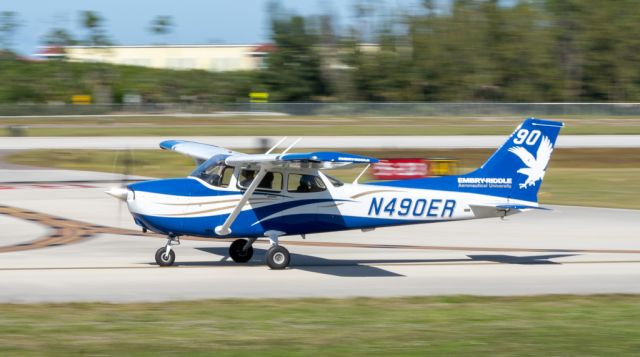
{"points": [[305, 183], [272, 181]]}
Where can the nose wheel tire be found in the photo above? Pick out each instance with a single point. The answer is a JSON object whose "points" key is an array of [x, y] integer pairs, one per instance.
{"points": [[238, 253], [278, 257], [165, 259]]}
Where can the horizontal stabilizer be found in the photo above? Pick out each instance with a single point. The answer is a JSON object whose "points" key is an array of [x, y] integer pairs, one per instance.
{"points": [[488, 211], [523, 207]]}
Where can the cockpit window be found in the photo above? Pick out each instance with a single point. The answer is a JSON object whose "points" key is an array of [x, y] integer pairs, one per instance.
{"points": [[214, 172], [305, 183], [271, 181]]}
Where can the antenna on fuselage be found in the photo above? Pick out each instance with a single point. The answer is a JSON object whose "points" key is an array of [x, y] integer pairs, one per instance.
{"points": [[290, 146], [276, 145], [355, 182]]}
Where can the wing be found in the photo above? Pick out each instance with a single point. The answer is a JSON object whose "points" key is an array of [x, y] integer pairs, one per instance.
{"points": [[544, 153], [317, 160], [198, 151], [524, 155]]}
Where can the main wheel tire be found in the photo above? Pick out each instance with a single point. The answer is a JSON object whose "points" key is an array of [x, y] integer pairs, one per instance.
{"points": [[278, 257], [237, 252], [163, 259]]}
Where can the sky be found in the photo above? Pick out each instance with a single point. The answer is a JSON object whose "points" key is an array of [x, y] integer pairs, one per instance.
{"points": [[196, 21]]}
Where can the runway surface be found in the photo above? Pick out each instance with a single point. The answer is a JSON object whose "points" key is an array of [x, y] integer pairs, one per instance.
{"points": [[63, 243], [319, 142]]}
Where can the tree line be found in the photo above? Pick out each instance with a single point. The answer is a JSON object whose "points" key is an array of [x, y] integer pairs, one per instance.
{"points": [[477, 50], [473, 50]]}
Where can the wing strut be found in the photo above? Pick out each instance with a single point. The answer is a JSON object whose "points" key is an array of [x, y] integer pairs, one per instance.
{"points": [[275, 146], [224, 229]]}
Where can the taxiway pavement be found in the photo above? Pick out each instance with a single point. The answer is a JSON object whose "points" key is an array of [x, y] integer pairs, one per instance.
{"points": [[63, 243]]}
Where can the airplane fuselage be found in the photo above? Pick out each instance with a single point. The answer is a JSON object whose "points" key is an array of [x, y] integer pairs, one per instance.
{"points": [[189, 206]]}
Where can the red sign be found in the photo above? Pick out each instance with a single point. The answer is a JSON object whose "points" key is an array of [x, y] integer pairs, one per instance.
{"points": [[398, 169]]}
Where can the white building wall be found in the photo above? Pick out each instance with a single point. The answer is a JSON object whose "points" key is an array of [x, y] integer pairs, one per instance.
{"points": [[204, 57]]}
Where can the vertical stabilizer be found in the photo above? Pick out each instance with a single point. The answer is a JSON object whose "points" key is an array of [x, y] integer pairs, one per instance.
{"points": [[519, 165]]}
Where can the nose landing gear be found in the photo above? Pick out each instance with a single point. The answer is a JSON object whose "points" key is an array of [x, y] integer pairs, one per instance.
{"points": [[165, 256]]}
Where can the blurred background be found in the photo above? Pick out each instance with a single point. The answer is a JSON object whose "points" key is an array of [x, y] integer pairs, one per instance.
{"points": [[321, 52]]}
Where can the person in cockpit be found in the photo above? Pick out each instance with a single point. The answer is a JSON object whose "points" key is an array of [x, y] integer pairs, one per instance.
{"points": [[309, 183]]}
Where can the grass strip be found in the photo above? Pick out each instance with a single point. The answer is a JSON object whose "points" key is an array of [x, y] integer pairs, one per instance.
{"points": [[606, 325]]}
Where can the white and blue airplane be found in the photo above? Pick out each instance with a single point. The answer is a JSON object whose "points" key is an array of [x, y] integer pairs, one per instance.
{"points": [[236, 195]]}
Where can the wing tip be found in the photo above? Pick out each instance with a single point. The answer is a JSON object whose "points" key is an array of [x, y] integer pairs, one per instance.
{"points": [[170, 144]]}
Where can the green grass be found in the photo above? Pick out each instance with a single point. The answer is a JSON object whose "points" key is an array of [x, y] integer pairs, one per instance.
{"points": [[152, 163], [615, 188], [316, 125], [424, 326]]}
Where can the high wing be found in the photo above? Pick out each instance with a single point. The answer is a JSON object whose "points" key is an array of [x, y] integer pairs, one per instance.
{"points": [[317, 160], [198, 151]]}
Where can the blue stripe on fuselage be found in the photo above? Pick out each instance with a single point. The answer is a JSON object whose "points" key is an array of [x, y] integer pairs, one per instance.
{"points": [[293, 224]]}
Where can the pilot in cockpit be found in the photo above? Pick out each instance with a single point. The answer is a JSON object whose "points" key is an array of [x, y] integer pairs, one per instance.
{"points": [[309, 183], [267, 181], [247, 177]]}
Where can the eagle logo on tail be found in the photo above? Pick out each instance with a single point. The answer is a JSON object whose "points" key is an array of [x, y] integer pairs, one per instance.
{"points": [[535, 165]]}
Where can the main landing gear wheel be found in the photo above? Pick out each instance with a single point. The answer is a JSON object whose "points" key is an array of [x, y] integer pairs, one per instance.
{"points": [[238, 253], [278, 257], [163, 258]]}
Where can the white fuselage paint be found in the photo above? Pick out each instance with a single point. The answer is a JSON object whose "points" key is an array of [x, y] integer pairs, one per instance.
{"points": [[373, 202]]}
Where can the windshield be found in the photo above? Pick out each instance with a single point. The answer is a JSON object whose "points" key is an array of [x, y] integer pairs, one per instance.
{"points": [[334, 181], [214, 171]]}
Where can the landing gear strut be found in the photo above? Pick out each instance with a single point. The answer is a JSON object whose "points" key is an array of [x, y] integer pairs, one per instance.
{"points": [[277, 256], [165, 256], [241, 250]]}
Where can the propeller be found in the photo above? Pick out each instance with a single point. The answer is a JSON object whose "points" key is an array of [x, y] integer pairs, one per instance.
{"points": [[122, 192]]}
